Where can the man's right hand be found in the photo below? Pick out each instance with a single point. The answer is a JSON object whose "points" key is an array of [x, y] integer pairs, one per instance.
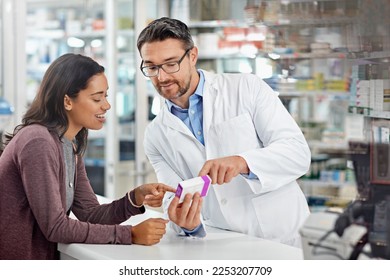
{"points": [[186, 214], [149, 232]]}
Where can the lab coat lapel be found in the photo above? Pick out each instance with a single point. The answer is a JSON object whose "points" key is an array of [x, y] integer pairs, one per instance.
{"points": [[209, 97], [174, 122]]}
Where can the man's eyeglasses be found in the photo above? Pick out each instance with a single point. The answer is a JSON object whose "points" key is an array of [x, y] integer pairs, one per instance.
{"points": [[168, 67]]}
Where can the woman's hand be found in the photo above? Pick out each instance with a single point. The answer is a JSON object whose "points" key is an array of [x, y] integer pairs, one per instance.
{"points": [[148, 232], [151, 194]]}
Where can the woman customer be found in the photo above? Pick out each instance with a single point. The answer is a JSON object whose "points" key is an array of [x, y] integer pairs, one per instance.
{"points": [[43, 177]]}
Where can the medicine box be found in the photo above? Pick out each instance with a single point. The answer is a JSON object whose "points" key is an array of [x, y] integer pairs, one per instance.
{"points": [[198, 184]]}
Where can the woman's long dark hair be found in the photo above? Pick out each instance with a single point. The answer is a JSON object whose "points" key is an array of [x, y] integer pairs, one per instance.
{"points": [[67, 75]]}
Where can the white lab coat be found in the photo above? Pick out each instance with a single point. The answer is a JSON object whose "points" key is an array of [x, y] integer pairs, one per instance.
{"points": [[242, 116]]}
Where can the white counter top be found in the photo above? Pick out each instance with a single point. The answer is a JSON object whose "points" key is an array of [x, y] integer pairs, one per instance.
{"points": [[217, 245]]}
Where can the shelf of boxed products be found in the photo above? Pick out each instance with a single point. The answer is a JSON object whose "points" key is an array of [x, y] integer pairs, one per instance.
{"points": [[329, 182], [321, 195], [315, 86], [369, 55], [337, 145], [309, 29], [306, 12], [321, 21], [250, 42], [228, 39], [44, 45], [367, 112], [64, 41], [205, 24], [278, 54], [277, 22], [370, 84], [313, 93], [234, 50], [54, 28]]}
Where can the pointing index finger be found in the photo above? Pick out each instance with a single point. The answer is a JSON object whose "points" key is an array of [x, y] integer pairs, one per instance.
{"points": [[205, 170], [166, 188]]}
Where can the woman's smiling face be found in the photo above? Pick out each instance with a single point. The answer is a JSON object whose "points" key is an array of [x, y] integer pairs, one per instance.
{"points": [[89, 107]]}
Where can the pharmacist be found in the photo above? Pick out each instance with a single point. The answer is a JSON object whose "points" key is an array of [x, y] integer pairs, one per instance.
{"points": [[232, 127]]}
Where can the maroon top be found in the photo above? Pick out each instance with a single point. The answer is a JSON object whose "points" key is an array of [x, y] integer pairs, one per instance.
{"points": [[33, 201]]}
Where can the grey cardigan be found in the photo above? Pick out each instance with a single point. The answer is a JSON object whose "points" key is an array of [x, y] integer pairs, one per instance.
{"points": [[33, 201]]}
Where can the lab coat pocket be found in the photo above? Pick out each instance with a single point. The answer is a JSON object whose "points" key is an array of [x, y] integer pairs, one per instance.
{"points": [[234, 136], [275, 213]]}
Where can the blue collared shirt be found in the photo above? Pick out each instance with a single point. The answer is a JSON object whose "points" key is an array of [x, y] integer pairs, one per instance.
{"points": [[193, 116]]}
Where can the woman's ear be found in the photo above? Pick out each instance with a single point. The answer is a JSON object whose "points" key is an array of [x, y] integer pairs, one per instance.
{"points": [[67, 103]]}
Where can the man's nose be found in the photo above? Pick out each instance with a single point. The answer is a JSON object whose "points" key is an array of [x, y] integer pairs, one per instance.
{"points": [[161, 75]]}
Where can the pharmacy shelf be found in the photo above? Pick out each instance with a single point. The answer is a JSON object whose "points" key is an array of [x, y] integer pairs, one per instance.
{"points": [[328, 21], [369, 55], [379, 114], [221, 55], [217, 24], [339, 147], [61, 34], [303, 93], [273, 56], [369, 113], [277, 56]]}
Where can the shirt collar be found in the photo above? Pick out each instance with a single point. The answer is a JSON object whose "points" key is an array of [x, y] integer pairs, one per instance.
{"points": [[197, 94]]}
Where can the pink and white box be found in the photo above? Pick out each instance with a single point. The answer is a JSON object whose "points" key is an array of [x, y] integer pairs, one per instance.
{"points": [[198, 184]]}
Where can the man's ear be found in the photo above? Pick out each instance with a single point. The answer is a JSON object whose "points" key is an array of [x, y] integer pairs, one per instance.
{"points": [[67, 103], [194, 55]]}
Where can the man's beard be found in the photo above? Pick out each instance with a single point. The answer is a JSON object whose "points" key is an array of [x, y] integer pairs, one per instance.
{"points": [[182, 90]]}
